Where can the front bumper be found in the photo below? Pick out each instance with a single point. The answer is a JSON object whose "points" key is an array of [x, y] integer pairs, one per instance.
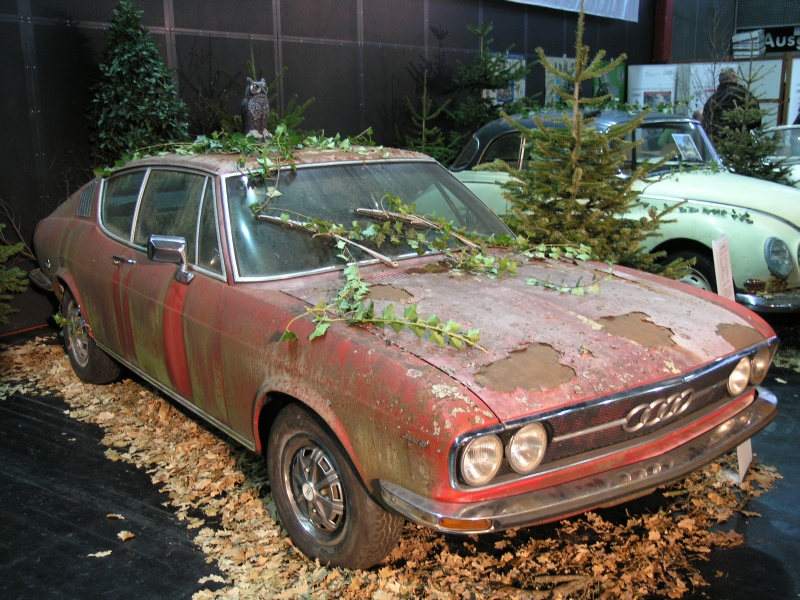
{"points": [[577, 496], [770, 303]]}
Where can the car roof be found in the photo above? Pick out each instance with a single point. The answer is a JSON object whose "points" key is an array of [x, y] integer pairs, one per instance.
{"points": [[223, 163], [602, 120]]}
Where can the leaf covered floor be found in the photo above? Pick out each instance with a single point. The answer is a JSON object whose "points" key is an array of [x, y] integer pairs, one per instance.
{"points": [[647, 548]]}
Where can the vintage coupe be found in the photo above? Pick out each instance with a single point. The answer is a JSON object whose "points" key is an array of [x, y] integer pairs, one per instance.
{"points": [[188, 270], [761, 219]]}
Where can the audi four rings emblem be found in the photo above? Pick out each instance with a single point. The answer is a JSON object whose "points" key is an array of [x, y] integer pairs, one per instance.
{"points": [[653, 413]]}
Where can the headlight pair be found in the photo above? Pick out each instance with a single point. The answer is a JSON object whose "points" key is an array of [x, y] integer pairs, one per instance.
{"points": [[749, 370], [483, 456]]}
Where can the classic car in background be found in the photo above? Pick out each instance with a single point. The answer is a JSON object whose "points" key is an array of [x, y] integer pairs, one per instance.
{"points": [[761, 219], [789, 149], [188, 270]]}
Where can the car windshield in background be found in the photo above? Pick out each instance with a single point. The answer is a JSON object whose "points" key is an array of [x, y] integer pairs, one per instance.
{"points": [[341, 195], [684, 141], [788, 143]]}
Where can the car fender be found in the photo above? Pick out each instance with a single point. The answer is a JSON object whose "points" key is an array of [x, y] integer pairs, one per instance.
{"points": [[703, 222]]}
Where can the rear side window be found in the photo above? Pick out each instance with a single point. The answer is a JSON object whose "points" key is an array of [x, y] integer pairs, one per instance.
{"points": [[120, 195]]}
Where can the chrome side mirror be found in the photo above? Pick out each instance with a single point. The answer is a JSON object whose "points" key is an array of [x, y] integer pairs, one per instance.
{"points": [[170, 249]]}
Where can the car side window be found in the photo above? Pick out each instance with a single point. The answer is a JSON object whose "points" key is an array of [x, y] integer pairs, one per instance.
{"points": [[120, 195], [505, 148], [170, 206]]}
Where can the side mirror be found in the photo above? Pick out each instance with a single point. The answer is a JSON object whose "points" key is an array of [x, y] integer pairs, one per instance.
{"points": [[170, 249]]}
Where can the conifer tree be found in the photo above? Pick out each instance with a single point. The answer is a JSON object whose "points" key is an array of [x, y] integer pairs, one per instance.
{"points": [[751, 153], [12, 279], [425, 135], [570, 191], [135, 102]]}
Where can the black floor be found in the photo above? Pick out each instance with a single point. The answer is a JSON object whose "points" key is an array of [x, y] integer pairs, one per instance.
{"points": [[57, 490]]}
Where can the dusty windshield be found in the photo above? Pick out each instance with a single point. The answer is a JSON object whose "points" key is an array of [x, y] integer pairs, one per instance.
{"points": [[341, 194], [685, 143]]}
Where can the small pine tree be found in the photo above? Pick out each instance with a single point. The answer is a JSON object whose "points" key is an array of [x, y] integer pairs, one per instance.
{"points": [[426, 137], [571, 193], [751, 153], [490, 71], [12, 279], [135, 103]]}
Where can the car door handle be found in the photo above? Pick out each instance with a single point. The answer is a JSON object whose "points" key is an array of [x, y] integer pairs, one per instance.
{"points": [[119, 260]]}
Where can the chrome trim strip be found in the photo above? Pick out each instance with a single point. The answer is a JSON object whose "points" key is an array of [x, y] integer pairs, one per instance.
{"points": [[601, 489], [182, 401]]}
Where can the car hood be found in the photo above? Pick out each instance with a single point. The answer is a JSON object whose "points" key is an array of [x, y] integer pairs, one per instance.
{"points": [[722, 187], [543, 348]]}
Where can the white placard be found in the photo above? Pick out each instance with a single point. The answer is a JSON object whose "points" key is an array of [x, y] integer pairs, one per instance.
{"points": [[722, 267]]}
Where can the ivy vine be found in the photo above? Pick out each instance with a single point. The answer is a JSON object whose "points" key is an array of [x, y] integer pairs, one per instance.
{"points": [[396, 223]]}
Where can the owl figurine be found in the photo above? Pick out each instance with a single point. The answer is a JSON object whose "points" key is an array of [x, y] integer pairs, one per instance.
{"points": [[255, 109]]}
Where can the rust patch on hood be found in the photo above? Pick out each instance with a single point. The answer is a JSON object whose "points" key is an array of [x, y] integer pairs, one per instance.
{"points": [[739, 336], [638, 328], [389, 293], [535, 368]]}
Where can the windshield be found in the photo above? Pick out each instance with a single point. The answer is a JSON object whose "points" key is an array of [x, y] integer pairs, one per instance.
{"points": [[685, 141], [341, 194], [788, 139]]}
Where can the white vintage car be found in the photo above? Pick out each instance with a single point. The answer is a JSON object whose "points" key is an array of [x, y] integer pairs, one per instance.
{"points": [[760, 219]]}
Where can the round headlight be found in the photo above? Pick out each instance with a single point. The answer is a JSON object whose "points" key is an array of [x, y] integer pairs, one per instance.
{"points": [[778, 257], [526, 448], [481, 459], [760, 365], [740, 377]]}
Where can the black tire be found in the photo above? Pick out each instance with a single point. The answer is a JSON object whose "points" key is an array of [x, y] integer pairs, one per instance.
{"points": [[89, 362], [702, 274], [322, 503]]}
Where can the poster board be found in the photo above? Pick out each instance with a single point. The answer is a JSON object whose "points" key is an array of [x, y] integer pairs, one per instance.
{"points": [[651, 85], [516, 90], [563, 64]]}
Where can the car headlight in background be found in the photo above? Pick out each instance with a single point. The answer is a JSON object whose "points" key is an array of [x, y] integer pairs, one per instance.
{"points": [[778, 257]]}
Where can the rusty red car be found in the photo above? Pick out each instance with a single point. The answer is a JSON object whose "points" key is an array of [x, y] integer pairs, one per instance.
{"points": [[189, 269]]}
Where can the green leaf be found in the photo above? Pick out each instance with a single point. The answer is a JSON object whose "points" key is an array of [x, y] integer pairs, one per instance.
{"points": [[287, 336], [320, 330]]}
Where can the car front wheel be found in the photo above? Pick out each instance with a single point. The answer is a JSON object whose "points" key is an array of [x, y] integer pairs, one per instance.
{"points": [[89, 362], [322, 504], [701, 274]]}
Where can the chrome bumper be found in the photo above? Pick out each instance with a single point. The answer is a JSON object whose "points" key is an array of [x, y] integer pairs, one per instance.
{"points": [[774, 303], [573, 497]]}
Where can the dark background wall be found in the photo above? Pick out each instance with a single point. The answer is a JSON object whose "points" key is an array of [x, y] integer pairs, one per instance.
{"points": [[352, 56]]}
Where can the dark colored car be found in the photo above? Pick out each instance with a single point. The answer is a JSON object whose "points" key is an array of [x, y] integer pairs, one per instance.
{"points": [[188, 270]]}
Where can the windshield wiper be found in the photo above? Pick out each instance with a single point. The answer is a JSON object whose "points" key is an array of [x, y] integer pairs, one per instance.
{"points": [[297, 225], [413, 220]]}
